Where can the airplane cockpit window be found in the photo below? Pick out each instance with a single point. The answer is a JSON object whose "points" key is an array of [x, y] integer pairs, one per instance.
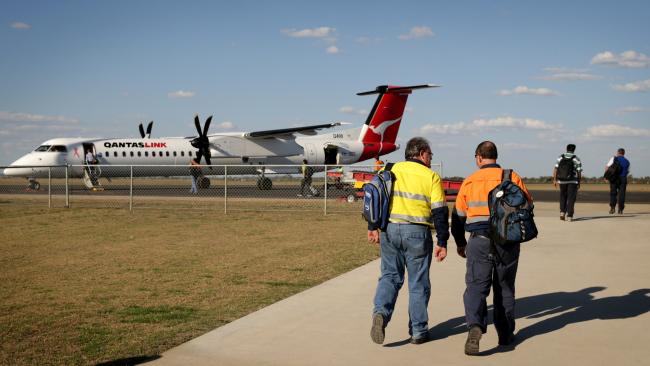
{"points": [[43, 148], [58, 148]]}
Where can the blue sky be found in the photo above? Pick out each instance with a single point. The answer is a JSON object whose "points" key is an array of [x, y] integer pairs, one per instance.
{"points": [[531, 76]]}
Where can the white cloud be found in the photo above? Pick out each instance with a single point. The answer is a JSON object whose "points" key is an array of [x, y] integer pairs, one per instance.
{"points": [[566, 74], [181, 94], [352, 110], [332, 50], [630, 59], [613, 130], [482, 124], [631, 109], [518, 146], [20, 25], [29, 117], [226, 125], [417, 32], [637, 86], [520, 90], [320, 32]]}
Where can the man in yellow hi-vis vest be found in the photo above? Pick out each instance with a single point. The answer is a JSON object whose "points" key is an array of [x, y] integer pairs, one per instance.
{"points": [[417, 205]]}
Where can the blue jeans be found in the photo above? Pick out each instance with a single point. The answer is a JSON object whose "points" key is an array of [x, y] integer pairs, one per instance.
{"points": [[411, 246], [194, 188]]}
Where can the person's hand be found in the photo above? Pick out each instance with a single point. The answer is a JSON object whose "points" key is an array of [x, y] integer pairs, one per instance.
{"points": [[461, 251], [555, 183], [373, 236], [439, 253]]}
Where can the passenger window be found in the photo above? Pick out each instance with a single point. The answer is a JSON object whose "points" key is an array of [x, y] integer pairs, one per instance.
{"points": [[166, 153], [124, 154], [115, 153], [131, 153], [153, 153], [146, 153], [174, 153], [182, 153], [189, 153], [139, 153]]}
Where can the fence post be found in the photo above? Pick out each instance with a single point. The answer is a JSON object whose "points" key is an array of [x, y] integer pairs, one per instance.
{"points": [[225, 189], [49, 187], [131, 191], [67, 188], [325, 193]]}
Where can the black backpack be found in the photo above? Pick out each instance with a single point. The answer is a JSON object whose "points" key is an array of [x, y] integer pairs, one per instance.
{"points": [[565, 168], [511, 215], [613, 171]]}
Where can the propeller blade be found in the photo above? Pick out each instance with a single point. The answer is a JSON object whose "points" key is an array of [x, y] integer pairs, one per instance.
{"points": [[149, 127], [207, 126], [207, 160], [197, 124], [141, 130], [199, 153]]}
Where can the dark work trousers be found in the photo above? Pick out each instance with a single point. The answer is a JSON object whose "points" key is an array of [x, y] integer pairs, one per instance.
{"points": [[618, 189], [490, 266], [568, 194]]}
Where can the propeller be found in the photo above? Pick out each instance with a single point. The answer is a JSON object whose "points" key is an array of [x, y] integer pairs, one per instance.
{"points": [[202, 143], [148, 134]]}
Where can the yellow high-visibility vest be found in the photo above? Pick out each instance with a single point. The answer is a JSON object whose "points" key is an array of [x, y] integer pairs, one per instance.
{"points": [[416, 191]]}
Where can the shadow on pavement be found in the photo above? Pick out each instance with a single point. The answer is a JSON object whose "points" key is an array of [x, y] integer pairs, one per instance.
{"points": [[586, 218], [571, 307]]}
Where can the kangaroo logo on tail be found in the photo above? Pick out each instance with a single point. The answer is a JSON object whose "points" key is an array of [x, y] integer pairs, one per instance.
{"points": [[382, 125]]}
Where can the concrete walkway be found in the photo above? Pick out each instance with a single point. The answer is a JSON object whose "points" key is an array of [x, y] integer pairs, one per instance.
{"points": [[583, 299]]}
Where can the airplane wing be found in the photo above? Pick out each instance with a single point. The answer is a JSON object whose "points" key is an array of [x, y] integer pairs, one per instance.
{"points": [[305, 130]]}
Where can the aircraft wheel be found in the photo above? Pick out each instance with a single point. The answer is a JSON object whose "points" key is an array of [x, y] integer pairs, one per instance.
{"points": [[204, 183], [264, 184], [351, 198], [34, 185]]}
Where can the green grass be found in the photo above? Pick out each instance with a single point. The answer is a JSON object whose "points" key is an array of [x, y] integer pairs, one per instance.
{"points": [[83, 286]]}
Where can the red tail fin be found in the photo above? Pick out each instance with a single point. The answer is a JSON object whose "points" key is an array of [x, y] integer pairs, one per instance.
{"points": [[385, 118]]}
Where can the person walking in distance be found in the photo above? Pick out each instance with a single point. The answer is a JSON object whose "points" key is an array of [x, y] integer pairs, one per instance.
{"points": [[417, 206], [618, 185], [488, 264], [305, 183], [195, 174], [568, 173]]}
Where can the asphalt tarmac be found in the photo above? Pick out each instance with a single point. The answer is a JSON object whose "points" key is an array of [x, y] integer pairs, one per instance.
{"points": [[290, 191]]}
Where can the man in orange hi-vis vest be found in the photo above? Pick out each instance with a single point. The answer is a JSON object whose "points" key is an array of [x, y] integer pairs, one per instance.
{"points": [[488, 264]]}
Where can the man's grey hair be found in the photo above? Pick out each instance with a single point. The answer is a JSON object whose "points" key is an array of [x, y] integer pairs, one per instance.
{"points": [[415, 146]]}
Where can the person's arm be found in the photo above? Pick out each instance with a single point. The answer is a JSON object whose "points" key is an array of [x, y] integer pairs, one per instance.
{"points": [[555, 177], [458, 218]]}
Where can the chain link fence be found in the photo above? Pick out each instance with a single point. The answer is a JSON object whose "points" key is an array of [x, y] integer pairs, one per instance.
{"points": [[218, 187]]}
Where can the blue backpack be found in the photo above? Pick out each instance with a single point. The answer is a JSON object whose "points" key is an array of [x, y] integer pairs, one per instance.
{"points": [[511, 215], [376, 198]]}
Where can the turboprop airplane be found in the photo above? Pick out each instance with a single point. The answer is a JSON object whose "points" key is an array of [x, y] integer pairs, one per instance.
{"points": [[258, 151]]}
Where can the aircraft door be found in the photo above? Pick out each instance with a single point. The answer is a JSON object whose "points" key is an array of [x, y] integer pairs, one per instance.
{"points": [[331, 155]]}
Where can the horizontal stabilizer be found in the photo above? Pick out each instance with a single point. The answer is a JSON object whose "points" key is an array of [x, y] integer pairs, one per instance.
{"points": [[388, 89]]}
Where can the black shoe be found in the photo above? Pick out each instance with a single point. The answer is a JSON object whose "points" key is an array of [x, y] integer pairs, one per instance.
{"points": [[620, 212], [611, 211], [377, 331], [419, 340], [504, 341], [473, 338], [562, 216]]}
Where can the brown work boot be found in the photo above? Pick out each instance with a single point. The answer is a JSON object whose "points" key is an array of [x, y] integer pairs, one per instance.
{"points": [[377, 331], [473, 338]]}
